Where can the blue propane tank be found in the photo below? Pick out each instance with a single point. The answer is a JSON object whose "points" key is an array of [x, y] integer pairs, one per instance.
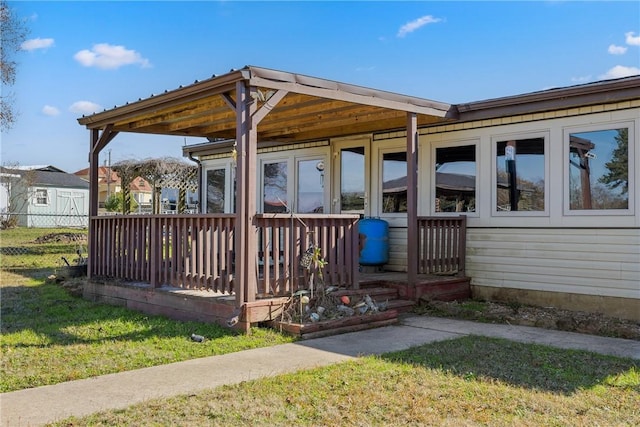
{"points": [[375, 248]]}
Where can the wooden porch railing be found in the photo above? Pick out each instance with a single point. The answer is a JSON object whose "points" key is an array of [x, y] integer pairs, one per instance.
{"points": [[282, 240], [197, 251], [189, 251], [441, 244]]}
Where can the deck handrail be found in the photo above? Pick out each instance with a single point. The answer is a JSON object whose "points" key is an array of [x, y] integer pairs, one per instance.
{"points": [[197, 251], [189, 251], [284, 237], [441, 244]]}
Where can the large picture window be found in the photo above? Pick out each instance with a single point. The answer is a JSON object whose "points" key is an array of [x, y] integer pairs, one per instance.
{"points": [[455, 170], [520, 175], [598, 169]]}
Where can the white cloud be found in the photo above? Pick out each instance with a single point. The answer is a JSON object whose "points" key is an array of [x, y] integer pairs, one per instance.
{"points": [[48, 110], [106, 56], [617, 50], [412, 26], [38, 43], [84, 107], [620, 71], [631, 39]]}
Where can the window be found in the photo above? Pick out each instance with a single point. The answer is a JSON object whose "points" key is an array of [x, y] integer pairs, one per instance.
{"points": [[310, 194], [394, 182], [520, 175], [216, 190], [41, 197], [274, 187], [455, 171], [598, 169], [352, 183]]}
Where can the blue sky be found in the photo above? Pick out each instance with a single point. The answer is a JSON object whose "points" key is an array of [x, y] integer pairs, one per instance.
{"points": [[82, 57]]}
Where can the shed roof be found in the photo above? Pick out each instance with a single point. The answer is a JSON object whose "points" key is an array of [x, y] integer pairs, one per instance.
{"points": [[311, 109], [48, 176]]}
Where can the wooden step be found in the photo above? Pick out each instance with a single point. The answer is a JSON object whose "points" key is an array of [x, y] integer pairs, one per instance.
{"points": [[338, 326], [377, 293], [400, 305]]}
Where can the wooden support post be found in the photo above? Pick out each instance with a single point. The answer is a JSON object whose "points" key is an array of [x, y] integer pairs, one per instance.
{"points": [[245, 230], [94, 164], [412, 198], [96, 143]]}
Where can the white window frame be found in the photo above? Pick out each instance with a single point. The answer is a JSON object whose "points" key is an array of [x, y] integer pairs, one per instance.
{"points": [[229, 167], [494, 175], [380, 183], [292, 158], [432, 167], [36, 197], [631, 167]]}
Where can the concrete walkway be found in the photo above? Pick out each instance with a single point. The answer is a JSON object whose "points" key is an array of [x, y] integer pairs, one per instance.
{"points": [[46, 404]]}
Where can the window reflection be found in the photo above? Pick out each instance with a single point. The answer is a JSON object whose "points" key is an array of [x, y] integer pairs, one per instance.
{"points": [[599, 169], [310, 186], [352, 173], [394, 182], [275, 187], [215, 190], [456, 179], [520, 175]]}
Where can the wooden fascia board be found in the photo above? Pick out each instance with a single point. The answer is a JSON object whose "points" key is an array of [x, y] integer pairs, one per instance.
{"points": [[341, 95], [163, 101]]}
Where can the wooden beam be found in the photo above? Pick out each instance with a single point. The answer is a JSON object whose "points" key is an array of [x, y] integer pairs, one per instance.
{"points": [[348, 97], [412, 198], [267, 107]]}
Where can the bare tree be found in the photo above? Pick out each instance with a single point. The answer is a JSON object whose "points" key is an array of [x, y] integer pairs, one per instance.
{"points": [[17, 186], [12, 33]]}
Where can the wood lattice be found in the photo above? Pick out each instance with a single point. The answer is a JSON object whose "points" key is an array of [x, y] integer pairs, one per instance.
{"points": [[167, 172]]}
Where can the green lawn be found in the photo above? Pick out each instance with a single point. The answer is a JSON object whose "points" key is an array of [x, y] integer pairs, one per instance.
{"points": [[463, 382], [49, 336]]}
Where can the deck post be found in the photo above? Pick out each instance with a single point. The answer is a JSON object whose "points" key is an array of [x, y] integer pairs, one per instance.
{"points": [[94, 163], [245, 230], [412, 198]]}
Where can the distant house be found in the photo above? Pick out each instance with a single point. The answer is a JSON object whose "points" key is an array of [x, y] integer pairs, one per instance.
{"points": [[110, 183], [44, 196]]}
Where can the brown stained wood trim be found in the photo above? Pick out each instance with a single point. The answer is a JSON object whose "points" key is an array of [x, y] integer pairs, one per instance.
{"points": [[214, 105], [168, 100], [331, 119], [228, 99], [412, 195]]}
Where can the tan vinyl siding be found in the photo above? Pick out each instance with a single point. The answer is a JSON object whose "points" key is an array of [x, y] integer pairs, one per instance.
{"points": [[397, 249], [581, 261]]}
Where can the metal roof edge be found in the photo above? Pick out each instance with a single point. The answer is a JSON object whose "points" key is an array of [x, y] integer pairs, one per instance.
{"points": [[565, 97]]}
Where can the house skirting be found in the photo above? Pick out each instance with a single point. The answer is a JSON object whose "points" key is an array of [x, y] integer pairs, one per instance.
{"points": [[623, 308]]}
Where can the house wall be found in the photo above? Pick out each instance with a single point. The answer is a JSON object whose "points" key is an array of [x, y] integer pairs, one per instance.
{"points": [[557, 256], [574, 259]]}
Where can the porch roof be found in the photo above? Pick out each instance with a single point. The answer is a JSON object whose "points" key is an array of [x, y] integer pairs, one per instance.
{"points": [[312, 109]]}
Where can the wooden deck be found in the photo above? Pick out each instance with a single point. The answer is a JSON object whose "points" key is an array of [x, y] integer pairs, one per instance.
{"points": [[219, 307]]}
